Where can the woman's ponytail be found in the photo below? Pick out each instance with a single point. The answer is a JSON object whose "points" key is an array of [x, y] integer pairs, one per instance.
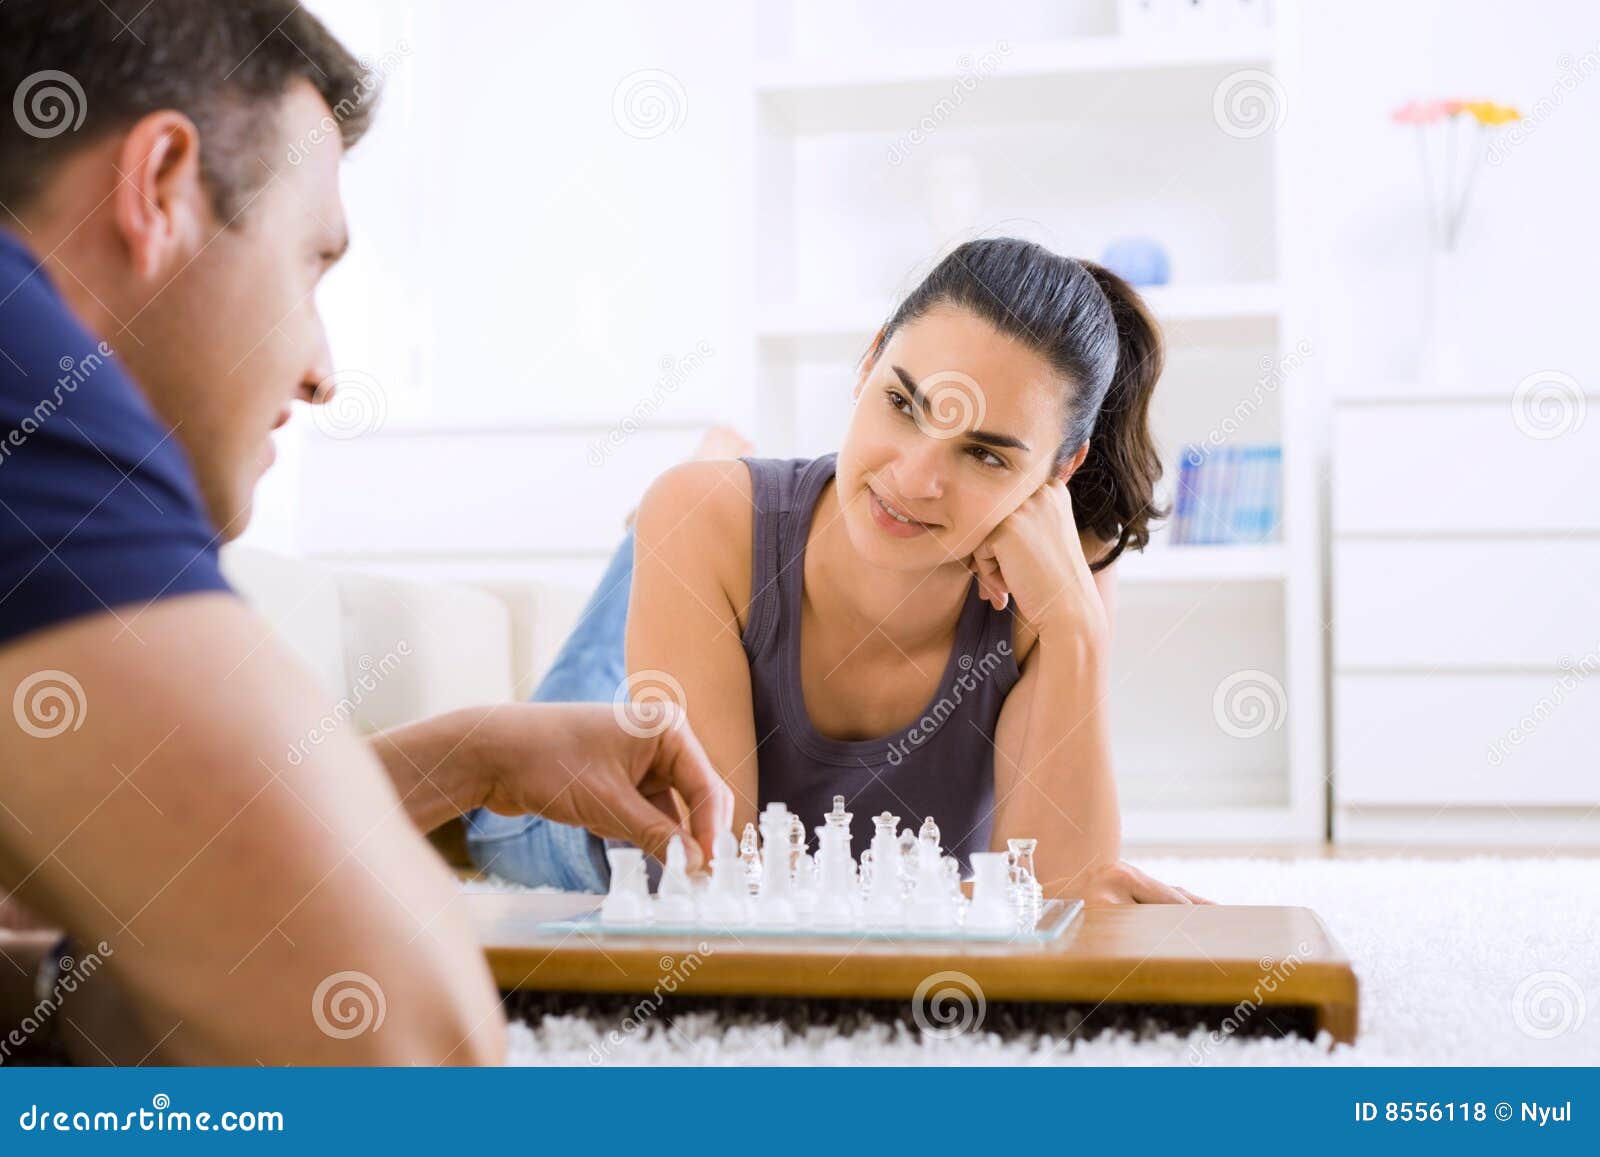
{"points": [[1114, 491]]}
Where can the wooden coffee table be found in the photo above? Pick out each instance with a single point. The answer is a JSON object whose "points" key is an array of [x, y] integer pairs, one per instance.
{"points": [[1158, 954]]}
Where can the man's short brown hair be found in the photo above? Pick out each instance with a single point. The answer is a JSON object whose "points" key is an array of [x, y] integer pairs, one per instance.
{"points": [[74, 71]]}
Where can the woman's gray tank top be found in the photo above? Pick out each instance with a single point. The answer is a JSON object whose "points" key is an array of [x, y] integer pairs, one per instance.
{"points": [[942, 764]]}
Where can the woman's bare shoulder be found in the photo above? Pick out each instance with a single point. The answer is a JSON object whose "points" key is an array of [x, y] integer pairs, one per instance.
{"points": [[697, 516]]}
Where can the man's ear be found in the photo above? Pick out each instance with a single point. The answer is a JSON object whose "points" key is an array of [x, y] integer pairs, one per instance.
{"points": [[1068, 468], [160, 204]]}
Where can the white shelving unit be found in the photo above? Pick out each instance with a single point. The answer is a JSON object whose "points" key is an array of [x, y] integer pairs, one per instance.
{"points": [[1038, 144]]}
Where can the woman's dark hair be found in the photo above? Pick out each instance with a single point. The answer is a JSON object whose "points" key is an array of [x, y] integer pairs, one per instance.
{"points": [[1092, 327], [81, 69]]}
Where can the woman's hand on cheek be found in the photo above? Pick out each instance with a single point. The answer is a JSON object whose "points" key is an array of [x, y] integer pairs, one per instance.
{"points": [[1035, 556]]}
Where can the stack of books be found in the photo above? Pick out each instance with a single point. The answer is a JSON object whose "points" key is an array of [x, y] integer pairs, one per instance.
{"points": [[1229, 495]]}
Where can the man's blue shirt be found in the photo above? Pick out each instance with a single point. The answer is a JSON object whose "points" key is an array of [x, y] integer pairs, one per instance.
{"points": [[99, 510]]}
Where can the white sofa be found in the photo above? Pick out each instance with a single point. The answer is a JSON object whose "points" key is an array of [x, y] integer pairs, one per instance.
{"points": [[446, 646]]}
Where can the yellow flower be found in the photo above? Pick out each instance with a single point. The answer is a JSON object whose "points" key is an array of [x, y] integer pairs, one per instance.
{"points": [[1486, 112]]}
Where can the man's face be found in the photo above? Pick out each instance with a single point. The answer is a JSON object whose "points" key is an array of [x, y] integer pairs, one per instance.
{"points": [[234, 337]]}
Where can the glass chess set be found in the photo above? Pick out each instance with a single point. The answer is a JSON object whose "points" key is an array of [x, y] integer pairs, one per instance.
{"points": [[904, 887]]}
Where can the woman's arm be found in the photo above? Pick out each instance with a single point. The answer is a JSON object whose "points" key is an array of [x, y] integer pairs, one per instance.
{"points": [[1052, 764], [690, 581], [1053, 776]]}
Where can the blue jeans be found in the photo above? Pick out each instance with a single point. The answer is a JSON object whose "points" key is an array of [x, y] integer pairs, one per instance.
{"points": [[589, 669]]}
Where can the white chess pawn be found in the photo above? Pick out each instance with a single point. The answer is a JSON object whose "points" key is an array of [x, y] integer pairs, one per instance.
{"points": [[775, 906], [907, 849], [990, 910], [727, 898], [751, 858], [628, 901], [930, 898], [883, 905], [675, 894]]}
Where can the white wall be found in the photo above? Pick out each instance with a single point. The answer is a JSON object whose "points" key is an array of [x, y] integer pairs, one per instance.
{"points": [[1532, 235]]}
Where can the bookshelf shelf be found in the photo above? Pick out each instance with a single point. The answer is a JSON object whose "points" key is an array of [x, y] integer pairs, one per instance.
{"points": [[1205, 564], [1073, 56]]}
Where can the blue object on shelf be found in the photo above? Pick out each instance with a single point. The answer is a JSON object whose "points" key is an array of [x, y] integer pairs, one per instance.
{"points": [[1138, 261]]}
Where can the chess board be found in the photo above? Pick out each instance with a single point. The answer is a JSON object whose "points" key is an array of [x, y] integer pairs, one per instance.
{"points": [[1156, 954], [1054, 919]]}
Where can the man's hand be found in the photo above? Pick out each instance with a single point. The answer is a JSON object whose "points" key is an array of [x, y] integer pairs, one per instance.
{"points": [[632, 771]]}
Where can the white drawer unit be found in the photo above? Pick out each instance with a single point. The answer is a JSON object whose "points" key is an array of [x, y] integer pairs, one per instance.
{"points": [[1466, 620]]}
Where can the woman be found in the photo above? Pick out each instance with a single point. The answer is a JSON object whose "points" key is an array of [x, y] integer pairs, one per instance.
{"points": [[921, 621]]}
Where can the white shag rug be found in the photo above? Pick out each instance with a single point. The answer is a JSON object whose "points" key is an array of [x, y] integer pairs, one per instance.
{"points": [[1480, 961]]}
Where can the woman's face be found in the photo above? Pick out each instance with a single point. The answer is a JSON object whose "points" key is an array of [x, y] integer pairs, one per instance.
{"points": [[955, 425]]}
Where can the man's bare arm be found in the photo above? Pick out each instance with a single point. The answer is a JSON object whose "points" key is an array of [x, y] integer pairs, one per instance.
{"points": [[255, 908]]}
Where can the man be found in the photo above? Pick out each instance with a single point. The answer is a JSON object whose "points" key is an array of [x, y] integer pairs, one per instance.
{"points": [[159, 256]]}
